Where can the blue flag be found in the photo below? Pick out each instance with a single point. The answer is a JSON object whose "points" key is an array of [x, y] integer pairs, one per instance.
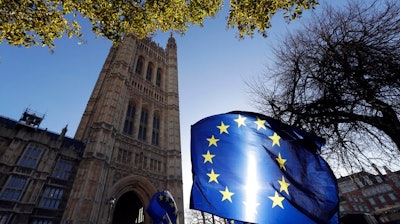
{"points": [[162, 208], [252, 168]]}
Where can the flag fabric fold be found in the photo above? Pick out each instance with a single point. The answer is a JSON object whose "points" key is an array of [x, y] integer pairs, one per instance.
{"points": [[252, 168], [162, 208]]}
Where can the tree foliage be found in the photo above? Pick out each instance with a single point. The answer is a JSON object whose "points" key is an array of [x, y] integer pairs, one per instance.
{"points": [[248, 16], [340, 78], [40, 22]]}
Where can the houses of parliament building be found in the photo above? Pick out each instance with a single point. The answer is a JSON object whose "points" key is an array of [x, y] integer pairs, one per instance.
{"points": [[126, 147]]}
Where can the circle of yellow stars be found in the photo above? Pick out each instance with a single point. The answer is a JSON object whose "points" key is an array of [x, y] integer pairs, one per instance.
{"points": [[169, 201], [277, 199]]}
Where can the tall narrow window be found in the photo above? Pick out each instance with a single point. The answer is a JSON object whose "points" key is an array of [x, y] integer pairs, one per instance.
{"points": [[138, 159], [371, 201], [51, 198], [31, 156], [139, 65], [393, 197], [3, 218], [158, 77], [124, 156], [143, 124], [149, 72], [140, 217], [13, 190], [382, 199], [42, 221], [63, 169], [130, 117], [155, 138]]}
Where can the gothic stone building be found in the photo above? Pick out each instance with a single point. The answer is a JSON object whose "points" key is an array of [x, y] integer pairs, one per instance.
{"points": [[37, 168], [126, 148]]}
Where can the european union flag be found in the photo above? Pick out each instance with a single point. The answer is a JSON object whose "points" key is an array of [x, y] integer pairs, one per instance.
{"points": [[252, 168], [162, 208]]}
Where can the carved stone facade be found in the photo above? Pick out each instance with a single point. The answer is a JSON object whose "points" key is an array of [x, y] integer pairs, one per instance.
{"points": [[126, 148], [37, 169], [131, 130]]}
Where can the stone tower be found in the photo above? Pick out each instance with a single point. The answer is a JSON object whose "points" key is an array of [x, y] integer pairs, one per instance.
{"points": [[132, 134]]}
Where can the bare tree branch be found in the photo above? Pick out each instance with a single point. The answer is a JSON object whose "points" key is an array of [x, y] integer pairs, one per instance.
{"points": [[340, 78]]}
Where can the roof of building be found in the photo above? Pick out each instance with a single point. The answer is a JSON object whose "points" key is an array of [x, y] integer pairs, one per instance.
{"points": [[66, 141]]}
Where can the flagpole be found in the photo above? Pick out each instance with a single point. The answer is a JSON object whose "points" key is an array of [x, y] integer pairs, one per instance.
{"points": [[204, 219]]}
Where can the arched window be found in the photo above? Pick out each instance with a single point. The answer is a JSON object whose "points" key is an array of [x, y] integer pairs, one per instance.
{"points": [[14, 187], [149, 72], [31, 156], [144, 117], [51, 197], [63, 169], [155, 137], [129, 118], [139, 65], [158, 77]]}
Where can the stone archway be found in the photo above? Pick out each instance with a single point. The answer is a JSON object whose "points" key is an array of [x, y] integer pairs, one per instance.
{"points": [[132, 195], [128, 209]]}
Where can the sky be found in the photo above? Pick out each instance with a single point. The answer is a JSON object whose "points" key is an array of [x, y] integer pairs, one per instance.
{"points": [[213, 65]]}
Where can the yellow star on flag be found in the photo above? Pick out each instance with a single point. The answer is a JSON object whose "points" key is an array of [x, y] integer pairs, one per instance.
{"points": [[223, 128], [240, 121], [213, 176], [208, 157], [281, 162], [284, 185], [212, 141], [227, 195], [260, 124], [275, 139], [276, 200], [160, 198]]}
